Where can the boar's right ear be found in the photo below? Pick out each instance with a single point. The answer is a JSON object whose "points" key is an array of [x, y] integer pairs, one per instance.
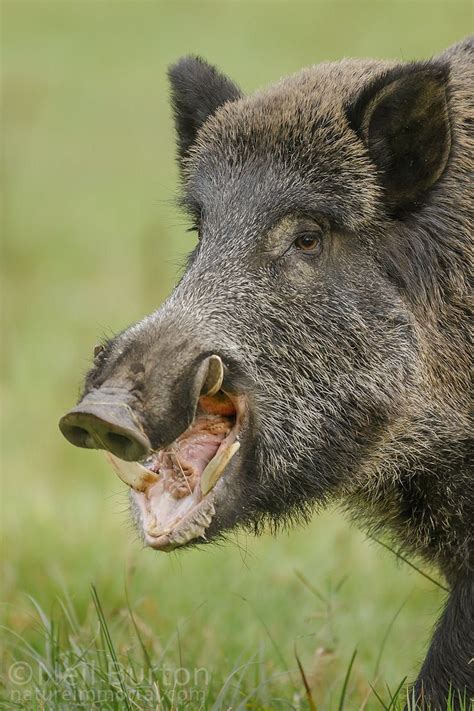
{"points": [[403, 119], [197, 91]]}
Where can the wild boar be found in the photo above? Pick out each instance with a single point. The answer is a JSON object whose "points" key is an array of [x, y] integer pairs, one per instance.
{"points": [[316, 347]]}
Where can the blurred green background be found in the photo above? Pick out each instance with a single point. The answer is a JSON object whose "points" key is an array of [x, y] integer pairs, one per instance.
{"points": [[91, 242]]}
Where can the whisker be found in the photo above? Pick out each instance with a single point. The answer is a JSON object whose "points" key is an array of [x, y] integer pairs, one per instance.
{"points": [[175, 455]]}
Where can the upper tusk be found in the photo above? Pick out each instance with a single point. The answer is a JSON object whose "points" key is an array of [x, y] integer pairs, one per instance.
{"points": [[215, 376]]}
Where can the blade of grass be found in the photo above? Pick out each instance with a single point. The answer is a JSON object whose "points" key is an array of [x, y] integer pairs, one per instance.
{"points": [[306, 685], [244, 704], [379, 698], [387, 634], [270, 637], [346, 682], [408, 562], [303, 579], [110, 646], [221, 695], [366, 698], [341, 582], [146, 656], [239, 680], [396, 694]]}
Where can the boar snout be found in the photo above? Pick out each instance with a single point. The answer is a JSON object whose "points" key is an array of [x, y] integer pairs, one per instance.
{"points": [[179, 433], [105, 421]]}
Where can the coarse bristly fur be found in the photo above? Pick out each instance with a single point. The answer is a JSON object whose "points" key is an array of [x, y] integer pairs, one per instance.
{"points": [[351, 345]]}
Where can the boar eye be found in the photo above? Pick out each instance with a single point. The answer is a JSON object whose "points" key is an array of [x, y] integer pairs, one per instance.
{"points": [[308, 242]]}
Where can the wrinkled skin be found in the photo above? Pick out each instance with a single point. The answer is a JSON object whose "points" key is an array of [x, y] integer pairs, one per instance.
{"points": [[331, 280]]}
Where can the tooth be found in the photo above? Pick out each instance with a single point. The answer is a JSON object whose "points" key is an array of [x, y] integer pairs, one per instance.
{"points": [[132, 473], [216, 466], [153, 529], [215, 376], [152, 526], [195, 528]]}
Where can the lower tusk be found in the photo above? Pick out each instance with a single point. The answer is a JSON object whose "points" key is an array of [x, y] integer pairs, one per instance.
{"points": [[132, 473], [216, 466]]}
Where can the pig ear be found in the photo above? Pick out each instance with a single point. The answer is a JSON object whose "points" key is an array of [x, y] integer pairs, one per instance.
{"points": [[403, 120], [197, 91]]}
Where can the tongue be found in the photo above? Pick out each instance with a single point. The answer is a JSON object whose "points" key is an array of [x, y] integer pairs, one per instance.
{"points": [[197, 450], [180, 484], [182, 464]]}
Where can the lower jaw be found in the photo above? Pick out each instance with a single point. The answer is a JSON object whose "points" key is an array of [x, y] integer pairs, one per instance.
{"points": [[191, 527], [167, 522]]}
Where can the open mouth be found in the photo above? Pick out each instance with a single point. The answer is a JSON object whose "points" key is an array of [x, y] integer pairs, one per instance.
{"points": [[173, 488]]}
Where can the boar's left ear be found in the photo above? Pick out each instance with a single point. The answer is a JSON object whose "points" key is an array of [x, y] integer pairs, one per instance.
{"points": [[197, 91], [403, 120]]}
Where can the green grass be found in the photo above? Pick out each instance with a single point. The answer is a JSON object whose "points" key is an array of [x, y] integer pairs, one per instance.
{"points": [[121, 659], [91, 243]]}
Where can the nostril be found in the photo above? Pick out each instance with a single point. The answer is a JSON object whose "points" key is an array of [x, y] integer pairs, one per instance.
{"points": [[118, 441], [123, 445], [79, 436]]}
